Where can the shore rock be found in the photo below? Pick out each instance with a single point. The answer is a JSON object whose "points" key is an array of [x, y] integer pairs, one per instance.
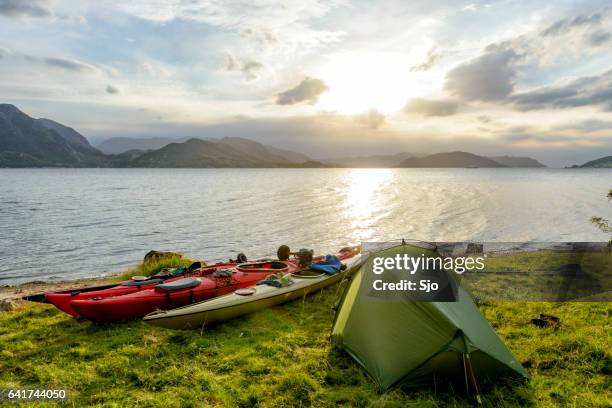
{"points": [[154, 255]]}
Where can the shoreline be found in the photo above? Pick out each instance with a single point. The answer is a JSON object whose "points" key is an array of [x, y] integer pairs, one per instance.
{"points": [[15, 292]]}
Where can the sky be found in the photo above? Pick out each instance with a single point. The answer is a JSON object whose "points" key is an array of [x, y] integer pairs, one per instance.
{"points": [[328, 78]]}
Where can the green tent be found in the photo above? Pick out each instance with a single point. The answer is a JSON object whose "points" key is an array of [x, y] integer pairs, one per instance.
{"points": [[415, 343]]}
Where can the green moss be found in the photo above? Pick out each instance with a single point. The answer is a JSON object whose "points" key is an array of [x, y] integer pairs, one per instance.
{"points": [[282, 357]]}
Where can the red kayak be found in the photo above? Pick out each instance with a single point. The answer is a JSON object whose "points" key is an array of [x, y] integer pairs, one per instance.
{"points": [[185, 291], [62, 299]]}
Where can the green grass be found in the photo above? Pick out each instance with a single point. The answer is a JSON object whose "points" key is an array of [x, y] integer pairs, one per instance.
{"points": [[282, 357], [539, 284], [153, 266]]}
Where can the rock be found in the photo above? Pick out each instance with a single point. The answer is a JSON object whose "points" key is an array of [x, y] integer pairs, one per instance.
{"points": [[154, 255]]}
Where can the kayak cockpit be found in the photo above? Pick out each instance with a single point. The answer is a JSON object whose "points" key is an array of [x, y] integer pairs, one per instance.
{"points": [[269, 266]]}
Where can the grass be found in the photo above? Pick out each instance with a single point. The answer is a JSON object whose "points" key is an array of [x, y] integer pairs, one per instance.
{"points": [[282, 357], [539, 284], [153, 266]]}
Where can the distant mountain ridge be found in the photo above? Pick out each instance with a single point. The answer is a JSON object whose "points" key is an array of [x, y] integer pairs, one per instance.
{"points": [[517, 161], [450, 160], [29, 142], [603, 162], [398, 159], [374, 161], [213, 154], [119, 145]]}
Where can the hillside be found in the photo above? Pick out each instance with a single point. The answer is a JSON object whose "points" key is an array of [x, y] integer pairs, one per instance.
{"points": [[374, 161], [452, 159], [30, 142], [201, 153], [265, 152], [119, 145], [604, 162], [513, 161]]}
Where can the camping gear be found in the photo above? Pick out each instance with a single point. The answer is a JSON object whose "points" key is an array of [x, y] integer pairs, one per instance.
{"points": [[546, 321], [277, 280], [401, 341], [236, 304], [180, 292], [62, 299], [330, 265]]}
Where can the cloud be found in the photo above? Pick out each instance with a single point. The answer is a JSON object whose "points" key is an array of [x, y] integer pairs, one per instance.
{"points": [[25, 9], [249, 68], [550, 138], [65, 64], [493, 75], [586, 126], [372, 118], [34, 9], [112, 90], [585, 91], [432, 58], [489, 77], [308, 90], [289, 23], [568, 24], [432, 107], [599, 37]]}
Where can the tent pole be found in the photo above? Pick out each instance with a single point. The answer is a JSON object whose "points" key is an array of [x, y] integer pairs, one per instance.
{"points": [[467, 388], [473, 377]]}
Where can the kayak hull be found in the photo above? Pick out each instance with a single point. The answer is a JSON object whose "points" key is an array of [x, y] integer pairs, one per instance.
{"points": [[62, 299], [138, 304], [230, 306]]}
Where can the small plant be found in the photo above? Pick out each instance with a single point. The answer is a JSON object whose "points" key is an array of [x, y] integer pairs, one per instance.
{"points": [[153, 266], [603, 224]]}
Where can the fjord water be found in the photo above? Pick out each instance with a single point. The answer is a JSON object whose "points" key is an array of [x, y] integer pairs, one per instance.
{"points": [[61, 224]]}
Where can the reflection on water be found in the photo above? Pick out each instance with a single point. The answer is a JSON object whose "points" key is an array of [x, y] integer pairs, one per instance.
{"points": [[365, 199], [60, 223]]}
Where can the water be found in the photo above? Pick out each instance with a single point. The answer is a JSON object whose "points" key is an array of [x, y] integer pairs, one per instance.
{"points": [[70, 223]]}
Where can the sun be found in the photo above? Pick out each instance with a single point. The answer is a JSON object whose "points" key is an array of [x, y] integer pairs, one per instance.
{"points": [[359, 81]]}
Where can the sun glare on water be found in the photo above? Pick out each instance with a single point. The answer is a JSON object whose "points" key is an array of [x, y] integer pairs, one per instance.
{"points": [[361, 81], [364, 199]]}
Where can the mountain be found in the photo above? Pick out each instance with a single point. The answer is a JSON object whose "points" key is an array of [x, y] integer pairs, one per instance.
{"points": [[74, 138], [121, 145], [273, 154], [604, 162], [30, 142], [512, 161], [213, 153], [374, 161], [118, 145], [452, 159]]}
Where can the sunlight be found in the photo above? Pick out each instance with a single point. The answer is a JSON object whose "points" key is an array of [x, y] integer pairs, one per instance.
{"points": [[363, 198], [361, 81]]}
